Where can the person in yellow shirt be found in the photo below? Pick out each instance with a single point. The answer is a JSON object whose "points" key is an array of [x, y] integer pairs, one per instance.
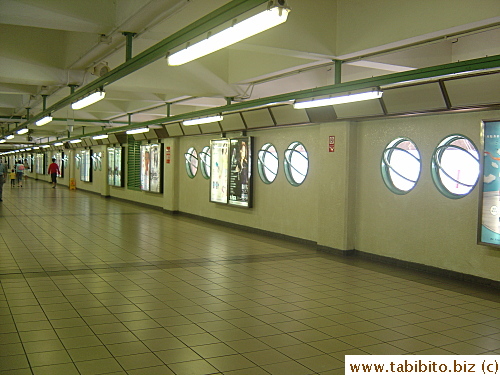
{"points": [[12, 176]]}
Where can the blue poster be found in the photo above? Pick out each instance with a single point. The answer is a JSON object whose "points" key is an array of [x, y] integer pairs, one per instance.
{"points": [[490, 215]]}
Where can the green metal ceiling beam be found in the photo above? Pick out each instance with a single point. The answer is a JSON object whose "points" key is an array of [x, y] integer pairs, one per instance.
{"points": [[221, 15], [489, 62]]}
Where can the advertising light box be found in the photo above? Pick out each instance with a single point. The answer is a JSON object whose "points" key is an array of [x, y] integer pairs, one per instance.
{"points": [[219, 149], [240, 175], [489, 207], [151, 168], [231, 171], [115, 166]]}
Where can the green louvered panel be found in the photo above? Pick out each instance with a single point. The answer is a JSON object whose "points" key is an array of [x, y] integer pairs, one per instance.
{"points": [[133, 164]]}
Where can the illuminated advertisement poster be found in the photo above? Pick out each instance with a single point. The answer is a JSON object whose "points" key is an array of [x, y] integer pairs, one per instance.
{"points": [[115, 166], [219, 150], [59, 161], [240, 172], [489, 210], [145, 166], [40, 164], [155, 168], [118, 164], [86, 166], [111, 166]]}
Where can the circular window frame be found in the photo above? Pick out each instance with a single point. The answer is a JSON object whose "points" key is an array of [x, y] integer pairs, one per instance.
{"points": [[386, 168], [287, 164], [436, 167], [261, 165], [188, 155], [202, 159]]}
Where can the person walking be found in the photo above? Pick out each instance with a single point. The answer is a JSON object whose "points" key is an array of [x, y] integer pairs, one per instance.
{"points": [[54, 171], [20, 173], [12, 176], [3, 177]]}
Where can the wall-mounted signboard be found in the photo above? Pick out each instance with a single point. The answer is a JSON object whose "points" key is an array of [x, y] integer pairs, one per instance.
{"points": [[59, 161], [40, 164], [219, 149], [489, 206], [151, 168], [240, 173], [86, 165], [231, 171], [115, 166]]}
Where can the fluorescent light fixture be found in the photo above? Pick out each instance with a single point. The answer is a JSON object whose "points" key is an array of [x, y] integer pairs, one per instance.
{"points": [[2, 140], [88, 100], [36, 148], [102, 136], [241, 30], [44, 120], [202, 120], [11, 136], [137, 131], [75, 141], [58, 144], [339, 100], [45, 146], [22, 131]]}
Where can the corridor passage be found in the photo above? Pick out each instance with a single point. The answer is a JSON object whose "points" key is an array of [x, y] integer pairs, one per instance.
{"points": [[93, 285]]}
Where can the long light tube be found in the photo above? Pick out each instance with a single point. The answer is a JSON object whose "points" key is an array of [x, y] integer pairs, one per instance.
{"points": [[88, 100], [137, 131], [241, 30], [22, 131], [11, 136], [339, 100], [202, 120], [102, 136], [58, 144], [75, 141], [43, 121]]}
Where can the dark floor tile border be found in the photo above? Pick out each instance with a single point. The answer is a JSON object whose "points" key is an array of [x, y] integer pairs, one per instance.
{"points": [[357, 253], [159, 265], [454, 275]]}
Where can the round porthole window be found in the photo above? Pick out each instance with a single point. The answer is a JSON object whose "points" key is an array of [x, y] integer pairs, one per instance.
{"points": [[401, 165], [267, 163], [191, 162], [455, 166], [296, 163], [205, 162]]}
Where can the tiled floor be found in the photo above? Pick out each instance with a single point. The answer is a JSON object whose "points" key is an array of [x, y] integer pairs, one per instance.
{"points": [[90, 285]]}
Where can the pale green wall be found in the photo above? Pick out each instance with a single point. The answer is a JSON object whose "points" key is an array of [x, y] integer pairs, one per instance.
{"points": [[278, 207], [343, 203], [422, 226]]}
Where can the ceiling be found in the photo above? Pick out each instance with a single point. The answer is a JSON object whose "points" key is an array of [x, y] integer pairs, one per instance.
{"points": [[51, 47]]}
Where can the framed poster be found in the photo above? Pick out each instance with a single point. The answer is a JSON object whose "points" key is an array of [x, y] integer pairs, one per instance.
{"points": [[85, 166], [115, 166], [156, 158], [145, 166], [111, 166], [151, 168], [40, 164], [489, 202], [59, 161], [240, 171], [118, 166], [219, 150]]}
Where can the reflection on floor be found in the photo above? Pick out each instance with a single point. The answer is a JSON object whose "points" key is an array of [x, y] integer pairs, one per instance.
{"points": [[90, 285]]}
